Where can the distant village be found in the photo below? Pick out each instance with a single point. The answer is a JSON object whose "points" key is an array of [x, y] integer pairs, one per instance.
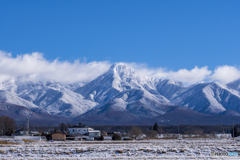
{"points": [[79, 132], [76, 132]]}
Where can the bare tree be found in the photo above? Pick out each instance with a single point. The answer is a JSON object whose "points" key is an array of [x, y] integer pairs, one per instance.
{"points": [[135, 132], [7, 125], [151, 133], [63, 128]]}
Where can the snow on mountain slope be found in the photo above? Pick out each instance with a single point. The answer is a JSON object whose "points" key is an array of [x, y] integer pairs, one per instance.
{"points": [[230, 113], [16, 110], [168, 88], [121, 92], [57, 99], [118, 79], [137, 102], [234, 85], [211, 98], [51, 96], [21, 113], [14, 99], [64, 102]]}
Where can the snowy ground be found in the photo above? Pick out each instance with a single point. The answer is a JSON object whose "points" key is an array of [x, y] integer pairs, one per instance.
{"points": [[142, 149]]}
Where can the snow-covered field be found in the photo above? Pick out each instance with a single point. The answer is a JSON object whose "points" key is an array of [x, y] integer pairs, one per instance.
{"points": [[142, 149]]}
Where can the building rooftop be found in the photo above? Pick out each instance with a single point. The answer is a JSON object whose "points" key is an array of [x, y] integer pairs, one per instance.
{"points": [[58, 132], [94, 131], [80, 125]]}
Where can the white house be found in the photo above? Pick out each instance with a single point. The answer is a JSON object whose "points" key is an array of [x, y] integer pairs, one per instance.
{"points": [[94, 133], [80, 128]]}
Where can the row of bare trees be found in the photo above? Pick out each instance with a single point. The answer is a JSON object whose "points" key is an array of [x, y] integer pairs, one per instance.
{"points": [[7, 125], [136, 133]]}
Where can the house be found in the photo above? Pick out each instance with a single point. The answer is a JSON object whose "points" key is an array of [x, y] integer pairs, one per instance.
{"points": [[35, 133], [125, 138], [94, 133], [80, 128], [79, 136], [58, 136], [24, 133]]}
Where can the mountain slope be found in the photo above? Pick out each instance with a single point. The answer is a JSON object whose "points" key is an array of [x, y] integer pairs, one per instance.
{"points": [[117, 79], [64, 102], [168, 88], [122, 94], [234, 85], [175, 116], [210, 98], [137, 102], [14, 99], [51, 96], [21, 113]]}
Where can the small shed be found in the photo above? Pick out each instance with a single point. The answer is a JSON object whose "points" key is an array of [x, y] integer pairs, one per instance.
{"points": [[58, 136]]}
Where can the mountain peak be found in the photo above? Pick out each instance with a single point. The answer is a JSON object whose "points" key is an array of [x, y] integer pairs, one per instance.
{"points": [[121, 69]]}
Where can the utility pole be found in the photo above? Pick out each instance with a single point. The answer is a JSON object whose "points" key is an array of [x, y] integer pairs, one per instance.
{"points": [[178, 130], [27, 126], [233, 131]]}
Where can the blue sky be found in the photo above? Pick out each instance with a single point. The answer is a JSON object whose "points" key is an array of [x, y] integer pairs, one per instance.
{"points": [[172, 34], [168, 34]]}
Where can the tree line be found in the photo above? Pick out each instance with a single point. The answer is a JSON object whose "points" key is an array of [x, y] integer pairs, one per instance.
{"points": [[181, 129], [7, 125]]}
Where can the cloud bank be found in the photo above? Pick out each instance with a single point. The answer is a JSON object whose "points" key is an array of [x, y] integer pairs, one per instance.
{"points": [[36, 67]]}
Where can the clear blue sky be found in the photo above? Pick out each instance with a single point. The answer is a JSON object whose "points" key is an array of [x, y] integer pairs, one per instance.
{"points": [[173, 34]]}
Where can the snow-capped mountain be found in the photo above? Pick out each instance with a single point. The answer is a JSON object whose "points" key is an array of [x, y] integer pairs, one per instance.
{"points": [[137, 102], [212, 98], [121, 91], [6, 96], [53, 97], [120, 95], [117, 79], [64, 102]]}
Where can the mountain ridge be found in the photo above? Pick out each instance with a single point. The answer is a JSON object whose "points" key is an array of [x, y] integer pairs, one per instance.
{"points": [[123, 90]]}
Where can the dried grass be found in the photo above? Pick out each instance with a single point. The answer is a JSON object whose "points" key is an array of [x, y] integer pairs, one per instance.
{"points": [[79, 150], [5, 142], [2, 152], [27, 140], [164, 152], [119, 151]]}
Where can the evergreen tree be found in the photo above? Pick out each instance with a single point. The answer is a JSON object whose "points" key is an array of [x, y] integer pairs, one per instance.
{"points": [[155, 127], [55, 130]]}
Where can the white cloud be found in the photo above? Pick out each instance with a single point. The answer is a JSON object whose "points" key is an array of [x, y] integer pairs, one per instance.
{"points": [[190, 76], [42, 69], [225, 74], [38, 68], [186, 76]]}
